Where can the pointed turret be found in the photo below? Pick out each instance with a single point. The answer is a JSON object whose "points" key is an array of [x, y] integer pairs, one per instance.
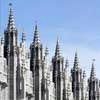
{"points": [[10, 33], [46, 59], [93, 73], [36, 47], [76, 78], [11, 54], [23, 37], [93, 83], [66, 65], [66, 70], [11, 22], [84, 86], [46, 54], [58, 70], [36, 63], [36, 36], [46, 51], [76, 62], [57, 51]]}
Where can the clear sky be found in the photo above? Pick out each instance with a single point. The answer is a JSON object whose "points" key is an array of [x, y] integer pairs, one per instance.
{"points": [[76, 22]]}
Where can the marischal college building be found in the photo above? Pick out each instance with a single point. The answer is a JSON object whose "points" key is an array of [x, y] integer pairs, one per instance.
{"points": [[26, 74]]}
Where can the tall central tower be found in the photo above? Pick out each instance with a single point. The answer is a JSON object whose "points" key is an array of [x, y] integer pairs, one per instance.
{"points": [[36, 64], [76, 79], [94, 85], [10, 53], [57, 62]]}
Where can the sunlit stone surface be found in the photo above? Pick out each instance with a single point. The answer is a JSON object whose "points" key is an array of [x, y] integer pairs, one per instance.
{"points": [[29, 74]]}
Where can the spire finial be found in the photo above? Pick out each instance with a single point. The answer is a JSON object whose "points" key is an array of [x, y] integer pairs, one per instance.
{"points": [[23, 36], [57, 52], [11, 23], [76, 60], [76, 53], [10, 4], [46, 51], [57, 39], [66, 66], [11, 10], [93, 73], [36, 34], [36, 26]]}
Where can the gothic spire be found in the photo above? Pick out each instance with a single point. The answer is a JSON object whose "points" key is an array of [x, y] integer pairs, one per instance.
{"points": [[93, 73], [23, 36], [36, 35], [11, 22], [66, 65], [76, 60], [46, 51], [57, 51]]}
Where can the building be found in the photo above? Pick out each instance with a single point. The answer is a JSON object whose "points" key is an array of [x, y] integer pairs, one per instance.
{"points": [[26, 74]]}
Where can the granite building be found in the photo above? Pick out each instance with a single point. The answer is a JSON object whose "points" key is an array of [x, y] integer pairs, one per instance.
{"points": [[27, 73]]}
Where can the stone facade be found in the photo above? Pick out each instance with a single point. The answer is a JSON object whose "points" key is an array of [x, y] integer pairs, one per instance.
{"points": [[27, 74]]}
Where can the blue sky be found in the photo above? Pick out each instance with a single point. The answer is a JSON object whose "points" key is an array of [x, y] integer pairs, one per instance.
{"points": [[76, 22]]}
